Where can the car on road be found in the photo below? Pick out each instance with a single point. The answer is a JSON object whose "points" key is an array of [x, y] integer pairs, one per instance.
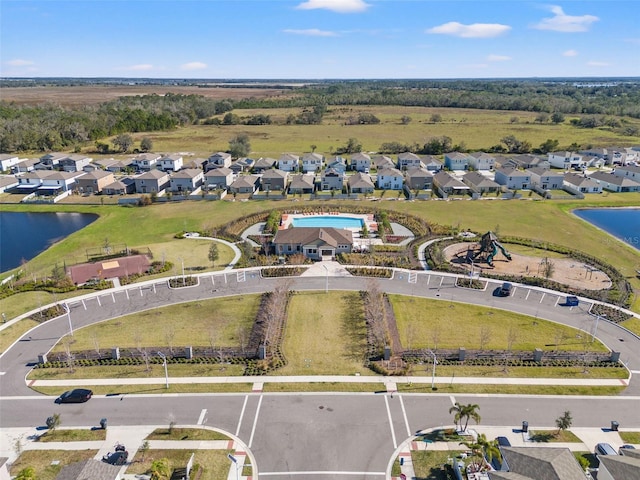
{"points": [[116, 458], [571, 301], [505, 290], [78, 395]]}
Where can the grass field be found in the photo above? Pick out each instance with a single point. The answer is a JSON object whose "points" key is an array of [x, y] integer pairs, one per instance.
{"points": [[325, 335], [630, 437], [434, 324], [186, 434], [156, 389], [429, 465], [73, 435], [42, 461], [554, 436]]}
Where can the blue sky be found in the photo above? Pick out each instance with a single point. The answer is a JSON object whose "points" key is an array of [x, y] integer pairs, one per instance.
{"points": [[311, 39]]}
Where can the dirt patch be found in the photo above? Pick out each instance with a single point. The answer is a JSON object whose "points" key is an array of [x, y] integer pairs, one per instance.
{"points": [[567, 271]]}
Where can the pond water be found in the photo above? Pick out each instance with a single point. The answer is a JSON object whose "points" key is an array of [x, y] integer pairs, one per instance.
{"points": [[622, 223], [23, 235]]}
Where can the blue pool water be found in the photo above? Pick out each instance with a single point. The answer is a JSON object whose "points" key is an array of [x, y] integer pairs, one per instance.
{"points": [[327, 221], [623, 223]]}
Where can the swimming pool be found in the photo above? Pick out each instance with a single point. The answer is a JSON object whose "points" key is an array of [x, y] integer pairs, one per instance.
{"points": [[328, 221]]}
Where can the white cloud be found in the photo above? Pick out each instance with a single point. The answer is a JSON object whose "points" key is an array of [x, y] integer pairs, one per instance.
{"points": [[562, 22], [140, 67], [570, 53], [498, 58], [474, 30], [18, 62], [594, 63], [339, 6], [311, 32], [193, 66]]}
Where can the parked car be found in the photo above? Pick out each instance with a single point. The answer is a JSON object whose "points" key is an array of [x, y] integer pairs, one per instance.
{"points": [[78, 395], [604, 449], [571, 301], [625, 447], [505, 290], [116, 458]]}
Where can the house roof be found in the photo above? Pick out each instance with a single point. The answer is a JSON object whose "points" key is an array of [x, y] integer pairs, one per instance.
{"points": [[55, 175], [218, 172], [479, 180], [614, 179], [245, 181], [390, 172], [89, 470], [302, 181], [54, 156], [27, 162], [7, 180], [7, 156], [117, 185], [482, 155], [360, 157], [431, 160], [333, 172], [289, 157], [456, 156], [508, 476], [629, 168], [187, 173], [95, 175], [580, 180], [147, 156], [408, 156], [544, 172], [275, 173], [382, 161], [543, 463], [418, 172], [265, 162], [310, 235], [220, 155], [152, 175], [39, 174], [445, 180], [73, 158], [313, 157], [512, 172], [620, 467], [360, 180]]}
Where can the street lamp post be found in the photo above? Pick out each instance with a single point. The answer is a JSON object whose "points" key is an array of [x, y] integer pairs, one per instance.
{"points": [[183, 279], [164, 363], [595, 328], [326, 285], [433, 370], [234, 460]]}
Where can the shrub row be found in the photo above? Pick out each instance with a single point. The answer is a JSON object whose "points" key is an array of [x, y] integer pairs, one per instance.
{"points": [[370, 272], [282, 272]]}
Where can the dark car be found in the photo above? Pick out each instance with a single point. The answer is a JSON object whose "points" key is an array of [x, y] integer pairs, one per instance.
{"points": [[625, 447], [116, 458], [571, 301], [79, 395], [505, 290]]}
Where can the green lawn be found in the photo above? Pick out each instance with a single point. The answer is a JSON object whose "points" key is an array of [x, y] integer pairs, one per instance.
{"points": [[429, 464], [630, 437], [554, 436], [424, 323], [325, 335], [510, 389], [42, 461], [155, 389], [73, 435], [202, 434], [214, 462]]}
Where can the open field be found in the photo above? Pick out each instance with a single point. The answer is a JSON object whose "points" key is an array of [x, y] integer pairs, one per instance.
{"points": [[42, 461], [476, 129], [73, 96], [457, 325]]}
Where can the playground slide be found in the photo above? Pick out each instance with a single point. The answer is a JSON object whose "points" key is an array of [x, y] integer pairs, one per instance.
{"points": [[494, 252], [503, 250]]}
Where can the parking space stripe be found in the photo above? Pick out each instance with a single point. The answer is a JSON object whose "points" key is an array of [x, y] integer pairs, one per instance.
{"points": [[255, 422], [393, 434], [244, 406]]}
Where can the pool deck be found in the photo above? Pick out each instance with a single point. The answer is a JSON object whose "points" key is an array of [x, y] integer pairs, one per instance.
{"points": [[368, 219]]}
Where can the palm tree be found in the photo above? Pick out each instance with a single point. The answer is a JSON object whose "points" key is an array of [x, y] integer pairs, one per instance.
{"points": [[160, 469], [490, 448], [457, 408], [465, 413], [480, 448]]}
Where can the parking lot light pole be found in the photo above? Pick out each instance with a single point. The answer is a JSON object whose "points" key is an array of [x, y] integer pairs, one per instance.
{"points": [[183, 279], [164, 363], [433, 370]]}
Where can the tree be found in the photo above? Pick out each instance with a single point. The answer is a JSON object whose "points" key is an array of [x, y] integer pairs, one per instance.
{"points": [[313, 148], [352, 146], [405, 120], [123, 142], [549, 146], [464, 413], [481, 447], [160, 469], [146, 144], [213, 253], [436, 118], [542, 117], [231, 119], [53, 422], [240, 146], [548, 267], [564, 422], [144, 448], [557, 117]]}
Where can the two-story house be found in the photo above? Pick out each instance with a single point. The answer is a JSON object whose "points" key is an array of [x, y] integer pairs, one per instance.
{"points": [[332, 179], [361, 162], [217, 160], [409, 160], [482, 161], [153, 181], [566, 160], [275, 180], [545, 178], [456, 161], [312, 162], [170, 163], [74, 163], [218, 178], [187, 180], [512, 178], [50, 161], [390, 179], [289, 162], [419, 178], [629, 171], [145, 162]]}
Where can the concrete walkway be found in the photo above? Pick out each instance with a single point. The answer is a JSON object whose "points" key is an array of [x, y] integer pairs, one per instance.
{"points": [[237, 254]]}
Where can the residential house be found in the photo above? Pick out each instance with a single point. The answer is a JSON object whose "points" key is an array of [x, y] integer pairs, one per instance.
{"points": [[7, 182], [170, 163], [361, 162], [301, 183], [582, 183], [26, 165], [432, 164], [274, 180], [123, 186], [217, 160], [618, 467], [390, 179], [50, 161], [629, 171], [524, 162], [538, 463], [360, 183], [32, 180], [242, 165], [187, 180], [7, 161], [153, 181], [120, 166], [480, 183], [195, 163], [218, 178], [263, 164], [313, 242], [74, 163], [145, 161], [409, 160], [58, 181], [482, 161], [616, 183], [332, 179], [380, 162], [545, 178], [598, 153], [89, 470], [312, 162], [419, 178], [449, 184], [94, 182], [512, 178], [245, 184], [456, 161], [566, 160], [289, 162], [623, 156], [337, 163]]}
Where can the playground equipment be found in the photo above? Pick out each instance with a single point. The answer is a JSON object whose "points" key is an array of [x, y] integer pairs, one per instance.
{"points": [[489, 246]]}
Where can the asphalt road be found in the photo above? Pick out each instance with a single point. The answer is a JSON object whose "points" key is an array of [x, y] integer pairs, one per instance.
{"points": [[329, 436]]}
